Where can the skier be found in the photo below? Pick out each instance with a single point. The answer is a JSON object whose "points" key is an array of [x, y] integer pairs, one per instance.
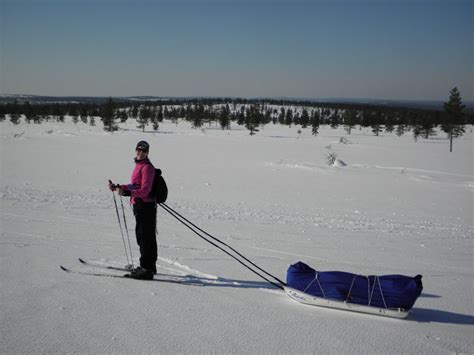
{"points": [[144, 209]]}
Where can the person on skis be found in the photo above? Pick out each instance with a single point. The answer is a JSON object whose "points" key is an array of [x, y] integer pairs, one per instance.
{"points": [[144, 209]]}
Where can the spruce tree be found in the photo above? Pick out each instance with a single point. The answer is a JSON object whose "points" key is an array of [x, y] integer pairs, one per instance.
{"points": [[289, 117], [304, 121], [123, 116], [454, 126], [143, 118], [108, 117], [315, 123], [389, 122], [350, 119], [15, 118], [84, 114], [159, 115], [426, 126], [281, 116], [224, 119], [400, 130]]}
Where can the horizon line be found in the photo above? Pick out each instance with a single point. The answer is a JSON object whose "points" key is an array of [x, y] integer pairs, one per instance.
{"points": [[290, 98]]}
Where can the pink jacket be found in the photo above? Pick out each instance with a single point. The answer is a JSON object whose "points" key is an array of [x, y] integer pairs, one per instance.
{"points": [[142, 181]]}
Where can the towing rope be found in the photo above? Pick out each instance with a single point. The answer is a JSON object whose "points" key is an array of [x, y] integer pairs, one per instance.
{"points": [[195, 229]]}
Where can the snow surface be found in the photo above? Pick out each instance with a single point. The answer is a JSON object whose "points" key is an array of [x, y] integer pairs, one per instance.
{"points": [[396, 207]]}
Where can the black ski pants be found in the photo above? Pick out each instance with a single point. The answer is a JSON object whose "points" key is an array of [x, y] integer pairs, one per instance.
{"points": [[145, 217]]}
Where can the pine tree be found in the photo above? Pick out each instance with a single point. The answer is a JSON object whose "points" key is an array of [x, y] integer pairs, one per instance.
{"points": [[84, 114], [304, 121], [426, 126], [281, 116], [156, 124], [334, 119], [159, 115], [350, 119], [143, 118], [400, 130], [289, 117], [315, 123], [389, 122], [108, 117], [135, 111], [73, 114], [241, 116], [123, 116], [15, 118], [416, 132], [454, 126], [224, 119], [252, 119]]}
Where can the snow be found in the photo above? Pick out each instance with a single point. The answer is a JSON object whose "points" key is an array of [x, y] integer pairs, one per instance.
{"points": [[396, 207]]}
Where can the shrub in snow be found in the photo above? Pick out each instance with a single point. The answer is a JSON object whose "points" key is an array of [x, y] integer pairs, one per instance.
{"points": [[331, 158], [344, 141]]}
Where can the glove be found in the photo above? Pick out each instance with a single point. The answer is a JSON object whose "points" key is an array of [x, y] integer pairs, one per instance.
{"points": [[112, 187]]}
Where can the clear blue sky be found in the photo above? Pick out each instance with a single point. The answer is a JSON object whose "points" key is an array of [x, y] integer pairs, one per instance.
{"points": [[397, 49]]}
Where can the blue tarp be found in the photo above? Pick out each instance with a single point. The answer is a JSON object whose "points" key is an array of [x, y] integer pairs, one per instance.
{"points": [[388, 291]]}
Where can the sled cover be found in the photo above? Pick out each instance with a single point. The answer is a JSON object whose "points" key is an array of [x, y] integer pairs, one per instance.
{"points": [[388, 291]]}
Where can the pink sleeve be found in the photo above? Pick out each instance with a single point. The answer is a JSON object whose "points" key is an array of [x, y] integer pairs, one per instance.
{"points": [[148, 175]]}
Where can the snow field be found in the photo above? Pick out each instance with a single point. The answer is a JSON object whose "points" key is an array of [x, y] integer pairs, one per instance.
{"points": [[397, 207]]}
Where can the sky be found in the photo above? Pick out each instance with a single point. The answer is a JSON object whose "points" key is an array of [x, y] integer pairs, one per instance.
{"points": [[377, 49]]}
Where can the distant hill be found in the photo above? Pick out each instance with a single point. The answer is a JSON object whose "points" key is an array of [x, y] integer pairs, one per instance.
{"points": [[420, 104]]}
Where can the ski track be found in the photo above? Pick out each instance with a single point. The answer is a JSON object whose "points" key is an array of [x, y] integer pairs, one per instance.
{"points": [[351, 221], [180, 270]]}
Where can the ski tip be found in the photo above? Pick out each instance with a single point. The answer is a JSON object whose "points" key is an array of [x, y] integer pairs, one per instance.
{"points": [[63, 268], [82, 261]]}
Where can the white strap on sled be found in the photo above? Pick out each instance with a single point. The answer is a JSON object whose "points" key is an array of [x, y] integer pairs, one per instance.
{"points": [[319, 284], [370, 294]]}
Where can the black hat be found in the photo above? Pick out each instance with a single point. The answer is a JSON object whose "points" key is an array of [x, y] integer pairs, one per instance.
{"points": [[143, 146]]}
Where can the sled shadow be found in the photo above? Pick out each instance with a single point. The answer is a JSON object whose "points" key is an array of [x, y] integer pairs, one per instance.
{"points": [[425, 315], [428, 295]]}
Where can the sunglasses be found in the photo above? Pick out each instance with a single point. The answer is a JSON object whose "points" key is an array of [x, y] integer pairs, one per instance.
{"points": [[141, 150]]}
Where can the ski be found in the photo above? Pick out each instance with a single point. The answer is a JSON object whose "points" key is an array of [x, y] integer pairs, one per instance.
{"points": [[103, 266], [158, 278], [70, 271]]}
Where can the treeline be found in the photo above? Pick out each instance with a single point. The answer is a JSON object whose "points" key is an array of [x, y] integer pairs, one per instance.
{"points": [[251, 113]]}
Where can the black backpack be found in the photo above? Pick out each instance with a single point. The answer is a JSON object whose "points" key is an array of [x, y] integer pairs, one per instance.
{"points": [[159, 189]]}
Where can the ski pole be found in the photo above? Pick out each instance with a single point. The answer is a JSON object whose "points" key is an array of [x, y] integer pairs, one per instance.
{"points": [[126, 230], [120, 226]]}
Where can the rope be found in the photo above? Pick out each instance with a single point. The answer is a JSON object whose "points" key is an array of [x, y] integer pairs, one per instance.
{"points": [[163, 205], [350, 289], [188, 224], [381, 293], [377, 280], [372, 293], [319, 284]]}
